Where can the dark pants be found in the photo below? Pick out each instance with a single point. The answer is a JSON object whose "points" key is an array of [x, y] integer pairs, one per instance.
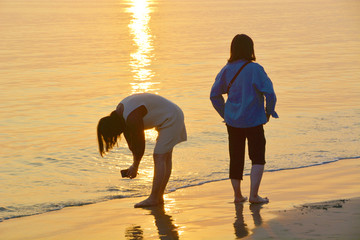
{"points": [[256, 147]]}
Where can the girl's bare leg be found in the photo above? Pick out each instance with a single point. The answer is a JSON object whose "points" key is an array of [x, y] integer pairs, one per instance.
{"points": [[238, 197], [167, 174], [162, 172], [255, 178]]}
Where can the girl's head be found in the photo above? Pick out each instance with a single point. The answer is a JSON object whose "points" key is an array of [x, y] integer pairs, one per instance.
{"points": [[242, 47], [109, 130]]}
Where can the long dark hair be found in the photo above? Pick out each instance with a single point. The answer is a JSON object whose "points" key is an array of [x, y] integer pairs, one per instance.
{"points": [[109, 130], [242, 47]]}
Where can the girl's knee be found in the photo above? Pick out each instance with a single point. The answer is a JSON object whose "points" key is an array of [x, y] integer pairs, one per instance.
{"points": [[163, 156]]}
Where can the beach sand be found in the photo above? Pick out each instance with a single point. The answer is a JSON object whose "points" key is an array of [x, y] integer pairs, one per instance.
{"points": [[319, 202]]}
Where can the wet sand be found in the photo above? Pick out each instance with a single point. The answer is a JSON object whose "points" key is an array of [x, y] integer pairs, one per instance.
{"points": [[338, 219], [317, 202]]}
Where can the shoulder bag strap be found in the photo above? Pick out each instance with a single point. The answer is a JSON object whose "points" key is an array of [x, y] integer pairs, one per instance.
{"points": [[238, 72]]}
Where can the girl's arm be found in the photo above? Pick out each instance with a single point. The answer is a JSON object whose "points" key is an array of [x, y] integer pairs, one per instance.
{"points": [[135, 137]]}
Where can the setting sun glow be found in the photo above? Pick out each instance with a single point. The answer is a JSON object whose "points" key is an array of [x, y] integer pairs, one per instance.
{"points": [[140, 60]]}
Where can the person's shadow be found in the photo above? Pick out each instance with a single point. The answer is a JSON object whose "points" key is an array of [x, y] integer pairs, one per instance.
{"points": [[255, 213], [164, 223], [240, 226]]}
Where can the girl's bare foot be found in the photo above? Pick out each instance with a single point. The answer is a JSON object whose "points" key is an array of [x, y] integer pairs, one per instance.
{"points": [[258, 199], [240, 199], [149, 202]]}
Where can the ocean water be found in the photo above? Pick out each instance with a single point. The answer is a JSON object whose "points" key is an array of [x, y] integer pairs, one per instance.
{"points": [[66, 64]]}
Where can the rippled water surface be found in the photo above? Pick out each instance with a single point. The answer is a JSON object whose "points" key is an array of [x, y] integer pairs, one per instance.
{"points": [[66, 64]]}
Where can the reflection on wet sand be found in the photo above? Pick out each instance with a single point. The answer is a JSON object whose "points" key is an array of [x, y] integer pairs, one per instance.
{"points": [[134, 233], [240, 227], [164, 223], [255, 213]]}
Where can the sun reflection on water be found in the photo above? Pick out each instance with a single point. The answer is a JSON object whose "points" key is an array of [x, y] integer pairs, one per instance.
{"points": [[140, 60]]}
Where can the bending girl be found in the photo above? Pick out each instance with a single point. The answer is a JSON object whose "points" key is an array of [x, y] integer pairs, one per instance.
{"points": [[133, 115]]}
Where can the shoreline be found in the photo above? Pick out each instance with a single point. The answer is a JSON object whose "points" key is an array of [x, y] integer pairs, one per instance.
{"points": [[106, 198], [207, 212]]}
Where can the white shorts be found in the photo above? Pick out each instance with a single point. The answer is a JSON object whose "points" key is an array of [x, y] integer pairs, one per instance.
{"points": [[173, 132]]}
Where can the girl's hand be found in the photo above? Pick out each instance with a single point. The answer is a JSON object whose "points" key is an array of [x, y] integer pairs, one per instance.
{"points": [[268, 117], [133, 171]]}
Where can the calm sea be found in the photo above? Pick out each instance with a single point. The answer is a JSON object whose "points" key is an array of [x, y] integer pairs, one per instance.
{"points": [[66, 64]]}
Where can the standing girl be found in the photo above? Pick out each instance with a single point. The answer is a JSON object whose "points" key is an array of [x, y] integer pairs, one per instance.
{"points": [[246, 84]]}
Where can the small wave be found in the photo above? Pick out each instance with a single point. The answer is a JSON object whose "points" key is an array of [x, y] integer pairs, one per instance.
{"points": [[113, 189], [197, 184], [311, 165], [270, 170], [25, 211], [115, 197], [2, 209]]}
